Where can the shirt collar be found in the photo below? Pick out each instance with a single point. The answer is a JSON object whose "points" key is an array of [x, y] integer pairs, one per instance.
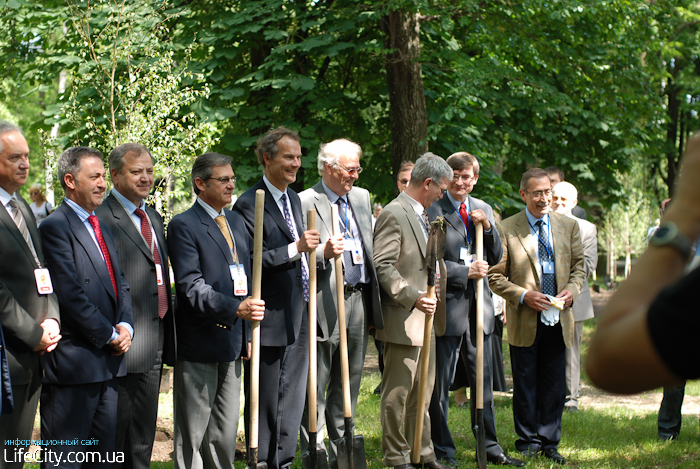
{"points": [[209, 209], [533, 219], [5, 196], [128, 204], [80, 211], [332, 196], [456, 203], [276, 193], [417, 207]]}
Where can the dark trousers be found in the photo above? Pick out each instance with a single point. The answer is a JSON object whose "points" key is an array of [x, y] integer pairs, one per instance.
{"points": [[80, 412], [670, 416], [539, 389], [19, 423], [283, 379], [138, 411]]}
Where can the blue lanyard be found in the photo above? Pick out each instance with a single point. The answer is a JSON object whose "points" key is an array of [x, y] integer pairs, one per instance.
{"points": [[547, 246]]}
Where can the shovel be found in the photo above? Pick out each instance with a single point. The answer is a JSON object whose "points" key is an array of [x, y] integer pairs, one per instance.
{"points": [[314, 458], [351, 449], [255, 339], [435, 250], [479, 430]]}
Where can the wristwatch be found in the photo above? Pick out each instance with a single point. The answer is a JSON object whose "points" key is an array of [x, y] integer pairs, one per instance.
{"points": [[668, 234]]}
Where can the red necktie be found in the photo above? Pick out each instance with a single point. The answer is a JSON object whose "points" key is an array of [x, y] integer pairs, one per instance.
{"points": [[464, 215], [105, 253], [148, 236]]}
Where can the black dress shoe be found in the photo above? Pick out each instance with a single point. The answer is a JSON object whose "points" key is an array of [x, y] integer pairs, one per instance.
{"points": [[554, 455], [378, 390], [452, 462], [530, 452], [504, 460], [404, 466], [432, 465]]}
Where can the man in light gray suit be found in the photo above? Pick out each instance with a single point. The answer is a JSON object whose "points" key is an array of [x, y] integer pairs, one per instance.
{"points": [[339, 167], [140, 239], [564, 199]]}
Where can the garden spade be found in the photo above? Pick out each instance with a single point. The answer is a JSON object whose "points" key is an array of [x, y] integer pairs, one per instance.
{"points": [[435, 250], [255, 339], [479, 431], [314, 458], [351, 449]]}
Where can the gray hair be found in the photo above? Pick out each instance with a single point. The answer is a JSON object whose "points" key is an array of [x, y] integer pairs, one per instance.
{"points": [[331, 152], [534, 173], [430, 166], [268, 142], [116, 156], [69, 161], [6, 127], [202, 167], [566, 188]]}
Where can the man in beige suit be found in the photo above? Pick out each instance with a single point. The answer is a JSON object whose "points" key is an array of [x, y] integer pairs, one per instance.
{"points": [[542, 259], [400, 238]]}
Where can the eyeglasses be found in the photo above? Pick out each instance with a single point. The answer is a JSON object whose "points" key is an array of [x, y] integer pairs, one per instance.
{"points": [[466, 179], [224, 180], [350, 171], [438, 186], [540, 194]]}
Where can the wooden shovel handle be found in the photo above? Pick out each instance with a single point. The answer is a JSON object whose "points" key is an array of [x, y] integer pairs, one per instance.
{"points": [[255, 334], [342, 325], [479, 321], [313, 366], [423, 380]]}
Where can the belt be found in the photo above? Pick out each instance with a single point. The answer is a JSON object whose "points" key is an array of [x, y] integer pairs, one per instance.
{"points": [[353, 288]]}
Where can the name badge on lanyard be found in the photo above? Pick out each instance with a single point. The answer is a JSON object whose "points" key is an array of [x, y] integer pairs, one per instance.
{"points": [[548, 267], [159, 275], [240, 280], [43, 281], [464, 255]]}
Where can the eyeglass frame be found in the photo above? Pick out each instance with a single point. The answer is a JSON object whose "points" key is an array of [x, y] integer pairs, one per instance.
{"points": [[221, 180], [444, 191], [547, 193], [350, 171]]}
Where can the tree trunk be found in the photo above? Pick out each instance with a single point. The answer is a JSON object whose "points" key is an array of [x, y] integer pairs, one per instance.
{"points": [[409, 118]]}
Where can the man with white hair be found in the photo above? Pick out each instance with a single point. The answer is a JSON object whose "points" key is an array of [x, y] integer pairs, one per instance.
{"points": [[339, 168], [564, 199]]}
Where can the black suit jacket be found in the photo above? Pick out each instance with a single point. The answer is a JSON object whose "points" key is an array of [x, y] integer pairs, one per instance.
{"points": [[22, 308], [140, 271], [87, 301], [208, 329], [282, 287], [461, 291]]}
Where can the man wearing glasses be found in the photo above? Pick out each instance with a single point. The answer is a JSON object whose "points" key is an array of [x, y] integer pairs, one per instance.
{"points": [[339, 168], [540, 275]]}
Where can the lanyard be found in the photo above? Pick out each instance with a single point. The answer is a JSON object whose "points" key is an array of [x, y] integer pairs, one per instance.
{"points": [[547, 246], [234, 254]]}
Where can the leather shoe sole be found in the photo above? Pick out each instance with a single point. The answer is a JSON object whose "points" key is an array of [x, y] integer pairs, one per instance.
{"points": [[504, 460]]}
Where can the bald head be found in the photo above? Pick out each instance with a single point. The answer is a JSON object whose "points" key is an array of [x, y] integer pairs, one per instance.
{"points": [[564, 198]]}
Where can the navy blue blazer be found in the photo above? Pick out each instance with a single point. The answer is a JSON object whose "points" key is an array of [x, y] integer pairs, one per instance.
{"points": [[461, 291], [208, 329], [86, 299], [282, 287]]}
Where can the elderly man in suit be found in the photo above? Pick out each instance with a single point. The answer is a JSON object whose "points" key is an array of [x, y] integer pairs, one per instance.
{"points": [[339, 167], [556, 175], [140, 239], [462, 213], [79, 396], [284, 349], [564, 199], [400, 238], [29, 316], [542, 259], [212, 267]]}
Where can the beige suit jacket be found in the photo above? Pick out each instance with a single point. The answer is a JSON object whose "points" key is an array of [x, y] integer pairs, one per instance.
{"points": [[399, 257], [517, 272]]}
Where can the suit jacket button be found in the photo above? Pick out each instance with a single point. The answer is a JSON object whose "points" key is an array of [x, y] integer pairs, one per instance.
{"points": [[87, 280]]}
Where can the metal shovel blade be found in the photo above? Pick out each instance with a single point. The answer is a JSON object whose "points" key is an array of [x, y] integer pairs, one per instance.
{"points": [[351, 452], [314, 459], [253, 460], [480, 435]]}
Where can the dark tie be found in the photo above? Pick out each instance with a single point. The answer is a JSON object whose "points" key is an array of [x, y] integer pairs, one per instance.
{"points": [[464, 215], [105, 252], [353, 272], [548, 281], [148, 236], [290, 225], [22, 227]]}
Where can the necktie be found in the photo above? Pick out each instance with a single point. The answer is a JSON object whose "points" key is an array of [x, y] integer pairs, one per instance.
{"points": [[353, 272], [290, 225], [22, 227], [148, 236], [548, 284], [465, 217], [105, 252], [426, 223]]}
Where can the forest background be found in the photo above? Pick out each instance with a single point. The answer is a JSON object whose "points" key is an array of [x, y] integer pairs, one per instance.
{"points": [[607, 90]]}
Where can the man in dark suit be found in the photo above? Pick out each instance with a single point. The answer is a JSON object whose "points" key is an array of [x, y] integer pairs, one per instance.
{"points": [[542, 259], [339, 167], [211, 262], [284, 351], [140, 239], [29, 316], [79, 396], [462, 213]]}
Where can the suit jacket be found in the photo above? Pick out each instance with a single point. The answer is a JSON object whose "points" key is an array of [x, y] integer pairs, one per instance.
{"points": [[87, 301], [140, 271], [22, 308], [316, 198], [461, 291], [6, 401], [208, 329], [282, 287], [517, 272], [399, 257], [583, 308]]}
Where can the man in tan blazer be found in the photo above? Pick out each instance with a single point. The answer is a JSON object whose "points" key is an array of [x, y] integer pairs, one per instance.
{"points": [[400, 238], [542, 255]]}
